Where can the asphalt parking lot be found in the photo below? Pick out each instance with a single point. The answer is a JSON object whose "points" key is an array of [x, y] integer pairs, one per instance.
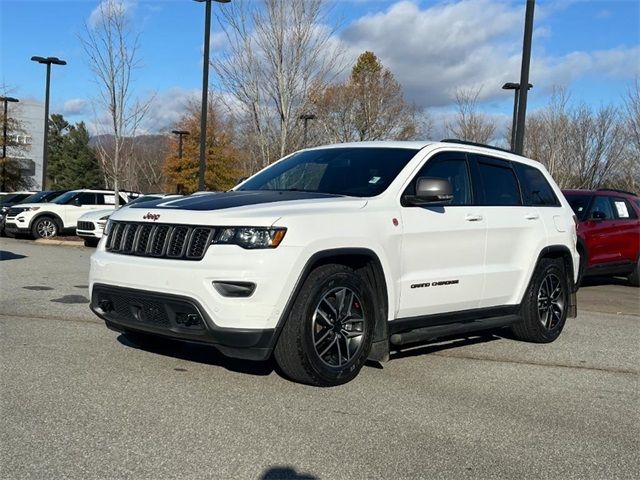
{"points": [[79, 401]]}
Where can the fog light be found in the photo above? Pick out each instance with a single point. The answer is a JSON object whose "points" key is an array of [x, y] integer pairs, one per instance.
{"points": [[234, 289], [105, 305]]}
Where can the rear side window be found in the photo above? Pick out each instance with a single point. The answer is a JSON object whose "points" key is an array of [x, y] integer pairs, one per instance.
{"points": [[499, 183], [622, 209], [536, 191]]}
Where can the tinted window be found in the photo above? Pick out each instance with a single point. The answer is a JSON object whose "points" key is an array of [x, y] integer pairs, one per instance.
{"points": [[453, 169], [500, 184], [601, 205], [622, 209], [64, 198], [359, 172], [580, 205], [13, 198], [86, 198], [536, 191]]}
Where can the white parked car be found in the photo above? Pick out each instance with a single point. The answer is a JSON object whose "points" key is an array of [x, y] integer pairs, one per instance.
{"points": [[46, 220], [91, 225], [339, 254]]}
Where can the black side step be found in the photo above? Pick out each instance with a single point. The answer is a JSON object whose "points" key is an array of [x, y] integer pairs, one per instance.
{"points": [[438, 331]]}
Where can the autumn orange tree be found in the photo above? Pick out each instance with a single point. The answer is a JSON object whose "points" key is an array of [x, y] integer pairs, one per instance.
{"points": [[369, 105], [223, 159]]}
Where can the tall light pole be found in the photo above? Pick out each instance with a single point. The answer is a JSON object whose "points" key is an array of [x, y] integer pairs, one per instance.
{"points": [[305, 117], [5, 118], [524, 76], [180, 134], [48, 61], [205, 91], [515, 87]]}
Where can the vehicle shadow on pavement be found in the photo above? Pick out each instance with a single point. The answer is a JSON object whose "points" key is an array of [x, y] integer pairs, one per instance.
{"points": [[448, 343], [6, 255], [203, 354], [600, 281], [285, 472]]}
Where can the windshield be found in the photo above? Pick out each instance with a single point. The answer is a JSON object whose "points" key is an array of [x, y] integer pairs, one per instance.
{"points": [[358, 172], [64, 198], [579, 204], [13, 198], [40, 197]]}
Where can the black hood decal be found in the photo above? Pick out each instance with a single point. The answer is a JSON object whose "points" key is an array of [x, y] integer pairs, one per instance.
{"points": [[219, 201]]}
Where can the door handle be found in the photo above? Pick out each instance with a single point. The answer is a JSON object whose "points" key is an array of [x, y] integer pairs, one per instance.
{"points": [[532, 216], [470, 217]]}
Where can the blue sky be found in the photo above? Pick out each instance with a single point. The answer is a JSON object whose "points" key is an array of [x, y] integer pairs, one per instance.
{"points": [[591, 47]]}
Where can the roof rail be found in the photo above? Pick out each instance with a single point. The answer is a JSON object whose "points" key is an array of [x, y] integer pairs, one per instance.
{"points": [[617, 190], [474, 144]]}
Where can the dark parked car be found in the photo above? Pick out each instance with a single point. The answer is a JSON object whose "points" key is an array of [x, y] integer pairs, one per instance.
{"points": [[15, 199], [608, 232]]}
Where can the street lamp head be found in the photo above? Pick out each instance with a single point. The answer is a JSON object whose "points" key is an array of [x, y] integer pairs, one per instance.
{"points": [[180, 132], [9, 99], [514, 86], [48, 60], [307, 116]]}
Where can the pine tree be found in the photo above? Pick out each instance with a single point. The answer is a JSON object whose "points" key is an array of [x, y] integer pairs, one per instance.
{"points": [[73, 163]]}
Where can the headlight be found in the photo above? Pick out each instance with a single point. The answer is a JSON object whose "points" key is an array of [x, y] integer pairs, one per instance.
{"points": [[33, 209], [107, 227], [250, 237], [106, 217]]}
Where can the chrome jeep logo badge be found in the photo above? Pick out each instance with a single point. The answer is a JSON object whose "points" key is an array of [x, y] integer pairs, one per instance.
{"points": [[151, 216]]}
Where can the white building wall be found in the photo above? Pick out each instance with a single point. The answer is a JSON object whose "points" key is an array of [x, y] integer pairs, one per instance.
{"points": [[31, 116]]}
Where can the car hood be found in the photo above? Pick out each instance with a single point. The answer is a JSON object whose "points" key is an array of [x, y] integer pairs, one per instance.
{"points": [[95, 215], [259, 208]]}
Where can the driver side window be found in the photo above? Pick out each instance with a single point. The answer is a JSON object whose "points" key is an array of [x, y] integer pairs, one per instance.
{"points": [[452, 167], [602, 205], [85, 198]]}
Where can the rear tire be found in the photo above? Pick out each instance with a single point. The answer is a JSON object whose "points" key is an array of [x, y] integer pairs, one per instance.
{"points": [[634, 278], [45, 227], [546, 303], [327, 336]]}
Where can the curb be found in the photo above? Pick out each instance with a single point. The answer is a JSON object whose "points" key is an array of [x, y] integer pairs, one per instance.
{"points": [[64, 243]]}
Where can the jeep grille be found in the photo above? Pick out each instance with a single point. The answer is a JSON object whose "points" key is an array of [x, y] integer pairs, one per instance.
{"points": [[181, 242]]}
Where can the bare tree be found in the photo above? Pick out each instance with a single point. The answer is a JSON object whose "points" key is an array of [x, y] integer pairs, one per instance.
{"points": [[469, 124], [111, 46], [277, 49]]}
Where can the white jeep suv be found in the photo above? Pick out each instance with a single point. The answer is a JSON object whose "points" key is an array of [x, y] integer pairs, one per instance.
{"points": [[46, 220], [337, 254]]}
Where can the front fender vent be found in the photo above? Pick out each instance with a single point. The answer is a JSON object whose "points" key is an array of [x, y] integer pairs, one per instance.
{"points": [[178, 242]]}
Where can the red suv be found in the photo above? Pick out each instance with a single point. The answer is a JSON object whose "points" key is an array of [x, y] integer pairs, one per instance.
{"points": [[608, 232]]}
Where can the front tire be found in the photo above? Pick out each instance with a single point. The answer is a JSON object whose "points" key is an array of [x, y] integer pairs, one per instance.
{"points": [[91, 242], [45, 227], [546, 303], [634, 278], [327, 336]]}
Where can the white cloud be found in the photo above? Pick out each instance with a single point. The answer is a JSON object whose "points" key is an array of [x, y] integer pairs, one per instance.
{"points": [[107, 6], [76, 106], [437, 49]]}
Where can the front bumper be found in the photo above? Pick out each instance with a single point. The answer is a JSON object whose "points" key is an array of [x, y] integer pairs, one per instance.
{"points": [[178, 317], [12, 228]]}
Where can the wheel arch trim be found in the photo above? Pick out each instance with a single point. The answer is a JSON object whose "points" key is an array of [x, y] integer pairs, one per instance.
{"points": [[55, 216], [318, 258]]}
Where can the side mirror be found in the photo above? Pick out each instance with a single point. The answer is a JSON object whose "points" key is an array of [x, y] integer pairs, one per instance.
{"points": [[431, 190], [598, 215], [76, 202]]}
